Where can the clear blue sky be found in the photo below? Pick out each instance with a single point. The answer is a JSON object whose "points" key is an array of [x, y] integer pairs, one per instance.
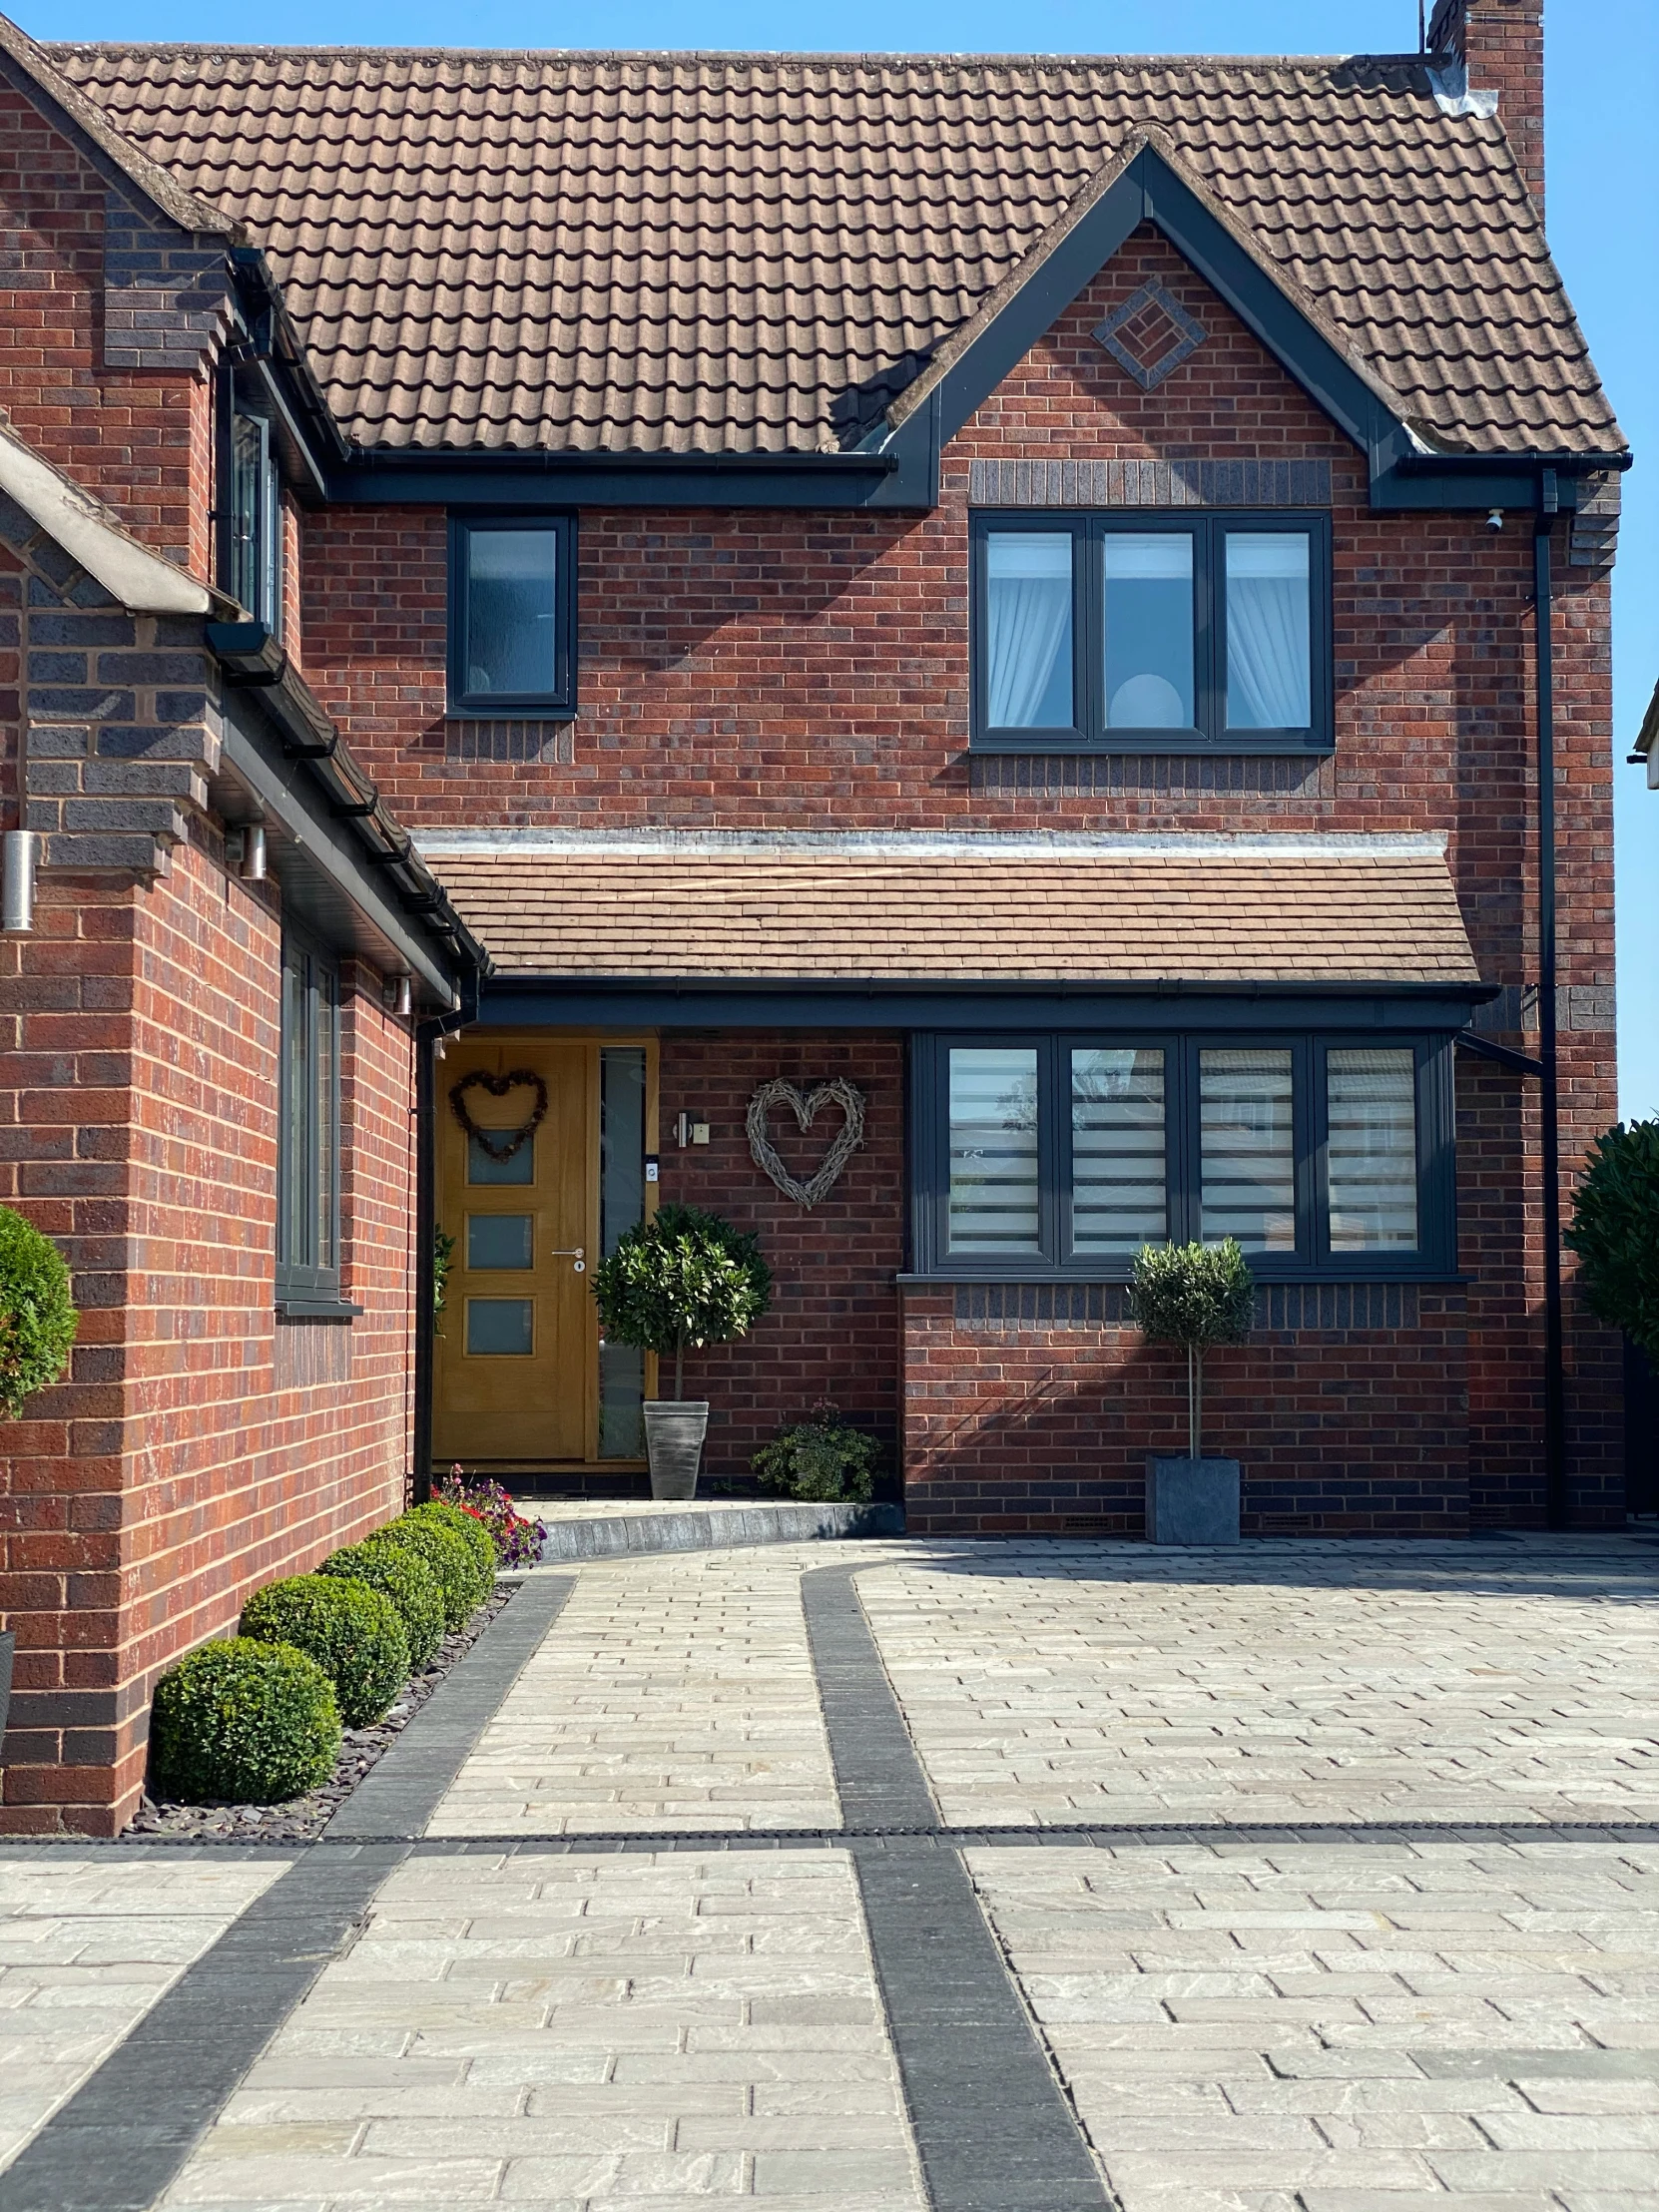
{"points": [[1603, 99]]}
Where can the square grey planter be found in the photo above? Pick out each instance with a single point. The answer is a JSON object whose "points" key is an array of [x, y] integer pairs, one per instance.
{"points": [[1191, 1501], [674, 1432]]}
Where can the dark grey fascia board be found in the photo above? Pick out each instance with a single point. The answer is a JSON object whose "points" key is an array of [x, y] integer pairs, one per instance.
{"points": [[288, 367], [1416, 482], [668, 1003], [823, 481], [253, 752]]}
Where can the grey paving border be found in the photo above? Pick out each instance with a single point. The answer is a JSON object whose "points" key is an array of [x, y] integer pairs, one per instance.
{"points": [[993, 2128], [716, 1529], [120, 2139], [400, 1795], [118, 2142]]}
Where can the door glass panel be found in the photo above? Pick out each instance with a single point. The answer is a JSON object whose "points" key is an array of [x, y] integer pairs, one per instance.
{"points": [[512, 610], [1268, 643], [1149, 630], [993, 1150], [1118, 1186], [1028, 607], [483, 1167], [1371, 1150], [500, 1324], [499, 1240], [1248, 1149], [621, 1208]]}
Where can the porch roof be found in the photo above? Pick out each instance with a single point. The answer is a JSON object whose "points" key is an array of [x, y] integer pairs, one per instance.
{"points": [[829, 909]]}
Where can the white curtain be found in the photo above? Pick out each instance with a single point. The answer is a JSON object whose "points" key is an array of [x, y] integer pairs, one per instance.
{"points": [[1028, 578], [1269, 682]]}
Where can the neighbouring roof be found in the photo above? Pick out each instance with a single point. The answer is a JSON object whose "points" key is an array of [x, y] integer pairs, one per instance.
{"points": [[694, 253], [1647, 739], [1155, 909]]}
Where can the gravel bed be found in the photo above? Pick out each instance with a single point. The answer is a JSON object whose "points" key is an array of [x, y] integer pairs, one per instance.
{"points": [[303, 1817]]}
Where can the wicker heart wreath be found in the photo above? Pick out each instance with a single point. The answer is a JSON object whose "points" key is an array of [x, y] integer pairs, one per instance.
{"points": [[805, 1107], [500, 1144]]}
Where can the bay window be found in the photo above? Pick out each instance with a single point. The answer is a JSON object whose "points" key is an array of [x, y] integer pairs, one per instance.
{"points": [[1137, 630], [1059, 1155]]}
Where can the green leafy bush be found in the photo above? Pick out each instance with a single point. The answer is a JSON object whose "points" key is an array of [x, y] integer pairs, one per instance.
{"points": [[1615, 1231], [822, 1457], [245, 1721], [404, 1577], [439, 1513], [1195, 1296], [355, 1634], [682, 1278], [37, 1315], [449, 1559]]}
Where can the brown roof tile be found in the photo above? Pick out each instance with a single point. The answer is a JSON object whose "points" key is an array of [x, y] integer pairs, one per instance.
{"points": [[702, 252], [1155, 914]]}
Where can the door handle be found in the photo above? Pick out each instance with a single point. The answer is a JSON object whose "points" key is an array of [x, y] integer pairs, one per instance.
{"points": [[575, 1254]]}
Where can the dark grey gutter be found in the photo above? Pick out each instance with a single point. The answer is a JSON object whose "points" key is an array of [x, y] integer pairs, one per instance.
{"points": [[295, 764]]}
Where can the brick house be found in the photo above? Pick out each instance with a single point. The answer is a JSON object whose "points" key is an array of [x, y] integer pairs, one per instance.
{"points": [[1008, 587]]}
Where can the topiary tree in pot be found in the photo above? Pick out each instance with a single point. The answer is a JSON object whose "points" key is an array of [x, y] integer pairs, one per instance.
{"points": [[682, 1278], [1615, 1231], [1195, 1296]]}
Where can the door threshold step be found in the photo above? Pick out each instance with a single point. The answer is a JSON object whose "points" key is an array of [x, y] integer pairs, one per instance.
{"points": [[714, 1525]]}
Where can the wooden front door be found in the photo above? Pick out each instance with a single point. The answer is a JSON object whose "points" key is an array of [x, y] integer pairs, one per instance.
{"points": [[519, 1374]]}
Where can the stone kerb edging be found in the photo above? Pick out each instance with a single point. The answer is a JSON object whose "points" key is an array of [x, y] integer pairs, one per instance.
{"points": [[715, 1528]]}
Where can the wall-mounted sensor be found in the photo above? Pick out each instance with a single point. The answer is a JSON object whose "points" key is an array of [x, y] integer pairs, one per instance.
{"points": [[1494, 520]]}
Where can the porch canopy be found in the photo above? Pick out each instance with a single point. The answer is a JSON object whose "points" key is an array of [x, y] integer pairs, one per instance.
{"points": [[920, 930]]}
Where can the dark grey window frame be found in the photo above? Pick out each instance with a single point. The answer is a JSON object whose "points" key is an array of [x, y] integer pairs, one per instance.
{"points": [[251, 551], [1208, 528], [1312, 1260], [309, 1189], [557, 704]]}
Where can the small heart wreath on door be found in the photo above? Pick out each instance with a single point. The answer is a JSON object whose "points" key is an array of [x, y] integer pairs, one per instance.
{"points": [[500, 1144], [805, 1107]]}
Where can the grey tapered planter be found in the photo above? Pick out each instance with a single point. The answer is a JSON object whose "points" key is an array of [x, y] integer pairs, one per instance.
{"points": [[1191, 1501], [674, 1432]]}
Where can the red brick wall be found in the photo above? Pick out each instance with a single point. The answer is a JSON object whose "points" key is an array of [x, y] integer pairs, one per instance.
{"points": [[1042, 1425], [139, 438], [833, 1331], [195, 1451]]}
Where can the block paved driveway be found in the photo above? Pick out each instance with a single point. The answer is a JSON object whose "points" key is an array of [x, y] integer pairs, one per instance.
{"points": [[871, 1878]]}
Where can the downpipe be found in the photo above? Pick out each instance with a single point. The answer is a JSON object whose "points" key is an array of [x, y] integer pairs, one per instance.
{"points": [[1555, 1412]]}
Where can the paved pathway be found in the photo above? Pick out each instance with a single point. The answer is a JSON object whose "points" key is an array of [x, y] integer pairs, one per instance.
{"points": [[1299, 1878]]}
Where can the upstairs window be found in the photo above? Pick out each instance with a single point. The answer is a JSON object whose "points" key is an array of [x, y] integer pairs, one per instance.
{"points": [[512, 616], [251, 515], [1064, 1155], [308, 1140], [1151, 632]]}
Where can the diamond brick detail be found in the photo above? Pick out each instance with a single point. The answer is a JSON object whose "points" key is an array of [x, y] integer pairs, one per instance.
{"points": [[1151, 334]]}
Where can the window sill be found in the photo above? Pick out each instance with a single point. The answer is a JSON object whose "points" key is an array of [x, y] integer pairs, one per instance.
{"points": [[1179, 742], [1358, 1270], [506, 710], [318, 1309]]}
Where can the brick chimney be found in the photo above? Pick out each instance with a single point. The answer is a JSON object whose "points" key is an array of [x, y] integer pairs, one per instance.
{"points": [[1501, 46]]}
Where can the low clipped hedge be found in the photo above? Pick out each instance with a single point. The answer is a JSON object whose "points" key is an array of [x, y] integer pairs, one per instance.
{"points": [[401, 1574], [37, 1314], [473, 1532], [353, 1632], [451, 1560], [244, 1721]]}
